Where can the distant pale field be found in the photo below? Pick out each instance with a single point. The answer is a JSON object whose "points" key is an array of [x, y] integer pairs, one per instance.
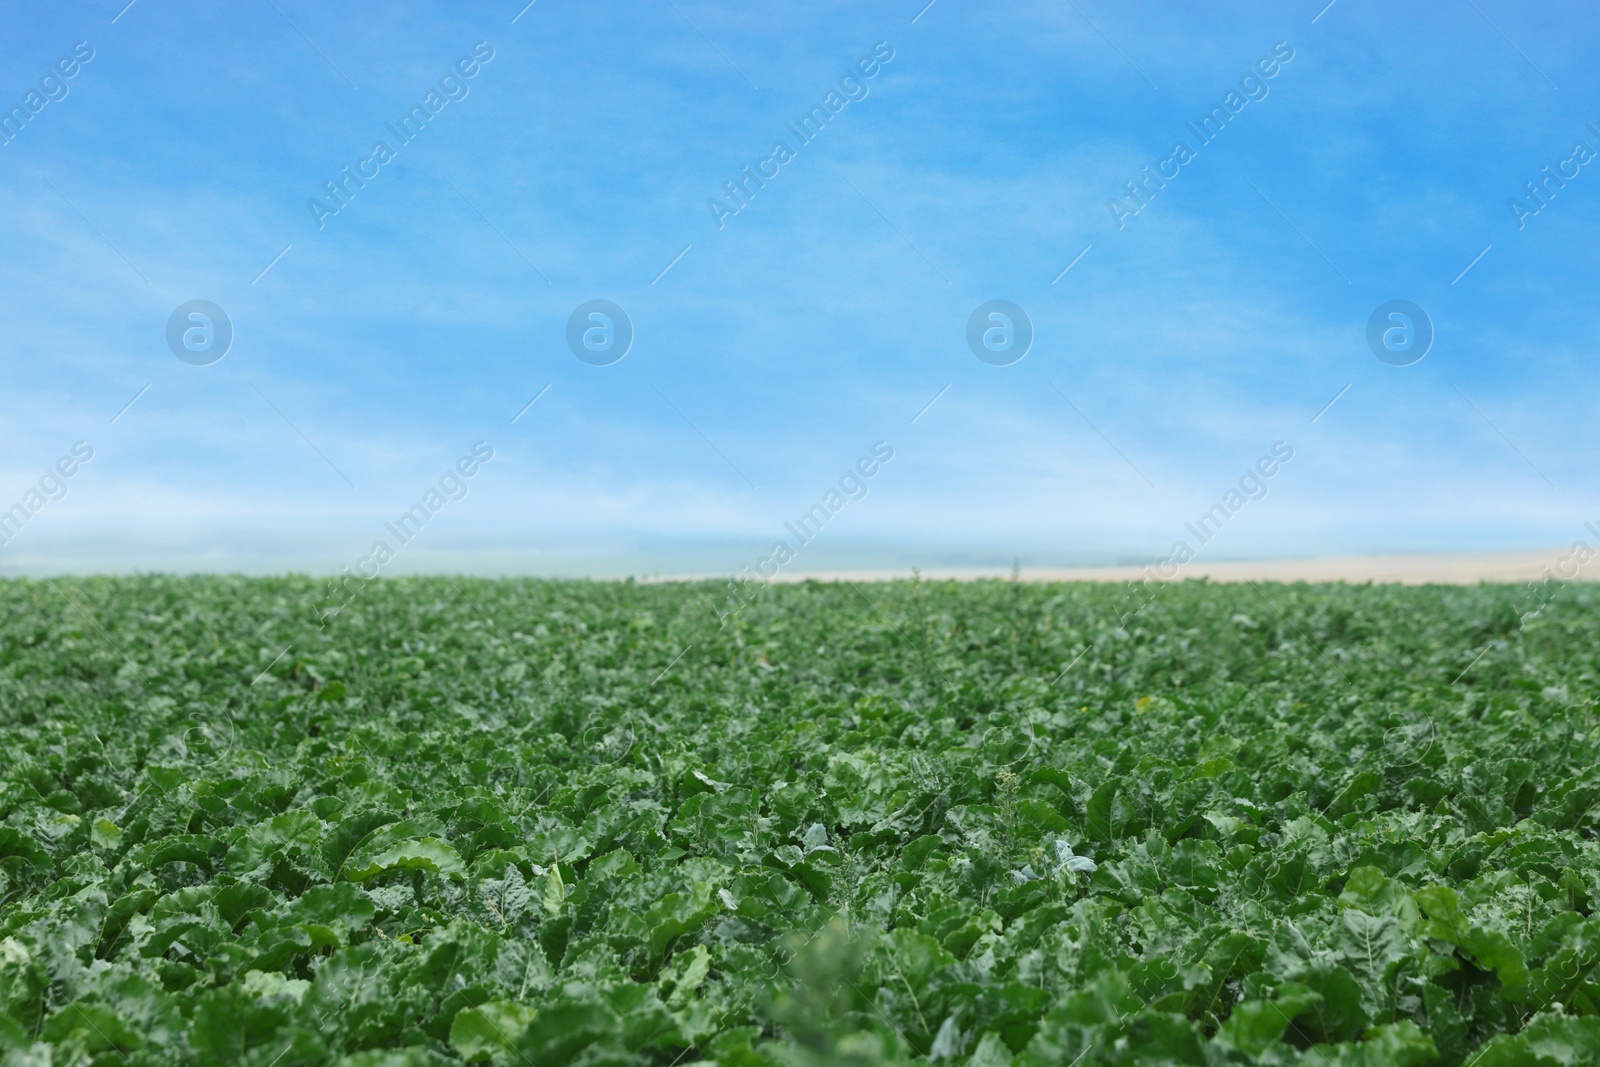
{"points": [[684, 563], [1466, 568]]}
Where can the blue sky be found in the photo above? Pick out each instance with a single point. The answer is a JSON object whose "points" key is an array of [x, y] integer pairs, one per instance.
{"points": [[821, 318]]}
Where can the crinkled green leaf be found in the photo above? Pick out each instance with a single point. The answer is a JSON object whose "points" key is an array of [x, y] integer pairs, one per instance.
{"points": [[481, 1032]]}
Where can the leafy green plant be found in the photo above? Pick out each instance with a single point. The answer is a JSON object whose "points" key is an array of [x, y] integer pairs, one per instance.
{"points": [[989, 823]]}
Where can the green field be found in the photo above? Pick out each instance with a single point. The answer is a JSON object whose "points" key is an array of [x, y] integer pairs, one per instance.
{"points": [[987, 823]]}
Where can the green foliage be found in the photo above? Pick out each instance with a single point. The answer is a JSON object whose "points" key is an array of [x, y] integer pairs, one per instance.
{"points": [[991, 824]]}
